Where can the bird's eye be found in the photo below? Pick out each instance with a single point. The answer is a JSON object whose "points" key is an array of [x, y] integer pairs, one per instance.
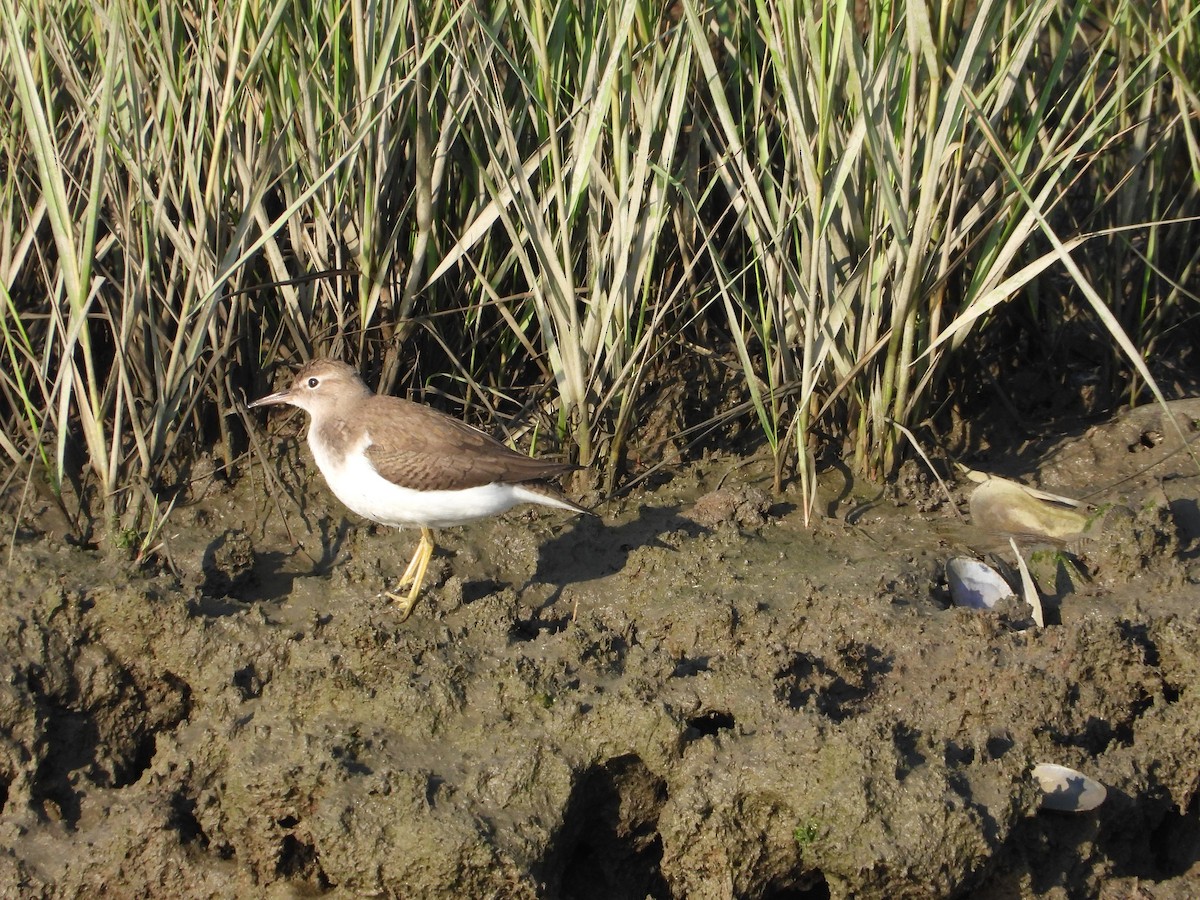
{"points": [[313, 382]]}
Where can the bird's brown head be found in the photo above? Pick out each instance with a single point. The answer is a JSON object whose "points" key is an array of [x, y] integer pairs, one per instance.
{"points": [[323, 384]]}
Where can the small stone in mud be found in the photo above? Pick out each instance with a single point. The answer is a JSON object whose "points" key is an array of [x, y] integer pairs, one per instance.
{"points": [[228, 564], [745, 506]]}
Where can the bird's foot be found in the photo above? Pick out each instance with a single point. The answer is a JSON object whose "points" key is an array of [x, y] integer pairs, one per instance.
{"points": [[404, 602], [414, 575]]}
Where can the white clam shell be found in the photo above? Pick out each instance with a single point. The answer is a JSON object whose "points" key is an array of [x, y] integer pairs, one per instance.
{"points": [[1067, 790], [975, 585]]}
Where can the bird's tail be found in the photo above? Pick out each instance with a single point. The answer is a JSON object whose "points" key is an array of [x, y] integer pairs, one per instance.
{"points": [[547, 495]]}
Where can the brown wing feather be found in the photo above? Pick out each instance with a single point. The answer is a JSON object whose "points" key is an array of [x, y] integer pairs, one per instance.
{"points": [[420, 448]]}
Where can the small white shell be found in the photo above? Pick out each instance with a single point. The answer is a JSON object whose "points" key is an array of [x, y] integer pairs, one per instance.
{"points": [[975, 585], [1067, 790]]}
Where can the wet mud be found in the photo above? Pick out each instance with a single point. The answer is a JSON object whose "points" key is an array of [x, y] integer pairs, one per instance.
{"points": [[696, 695]]}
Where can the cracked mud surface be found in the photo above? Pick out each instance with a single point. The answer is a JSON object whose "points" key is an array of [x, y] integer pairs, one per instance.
{"points": [[696, 696]]}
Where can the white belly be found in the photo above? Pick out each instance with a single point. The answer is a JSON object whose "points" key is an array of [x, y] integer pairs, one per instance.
{"points": [[355, 482]]}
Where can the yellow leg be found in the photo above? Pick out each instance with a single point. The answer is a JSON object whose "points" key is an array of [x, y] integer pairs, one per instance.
{"points": [[414, 573], [407, 577]]}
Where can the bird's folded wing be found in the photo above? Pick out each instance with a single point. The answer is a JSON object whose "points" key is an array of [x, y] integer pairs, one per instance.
{"points": [[431, 452]]}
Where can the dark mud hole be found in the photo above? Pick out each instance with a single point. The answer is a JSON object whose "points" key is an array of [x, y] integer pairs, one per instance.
{"points": [[696, 697]]}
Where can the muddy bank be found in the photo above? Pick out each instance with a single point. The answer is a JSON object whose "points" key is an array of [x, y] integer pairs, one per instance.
{"points": [[696, 696]]}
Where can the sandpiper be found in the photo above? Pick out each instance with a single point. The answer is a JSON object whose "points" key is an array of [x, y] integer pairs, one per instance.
{"points": [[399, 463]]}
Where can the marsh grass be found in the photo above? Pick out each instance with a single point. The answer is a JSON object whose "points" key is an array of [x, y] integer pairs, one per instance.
{"points": [[536, 208]]}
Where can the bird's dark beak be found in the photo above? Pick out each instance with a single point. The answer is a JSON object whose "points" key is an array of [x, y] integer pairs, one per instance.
{"points": [[284, 396]]}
